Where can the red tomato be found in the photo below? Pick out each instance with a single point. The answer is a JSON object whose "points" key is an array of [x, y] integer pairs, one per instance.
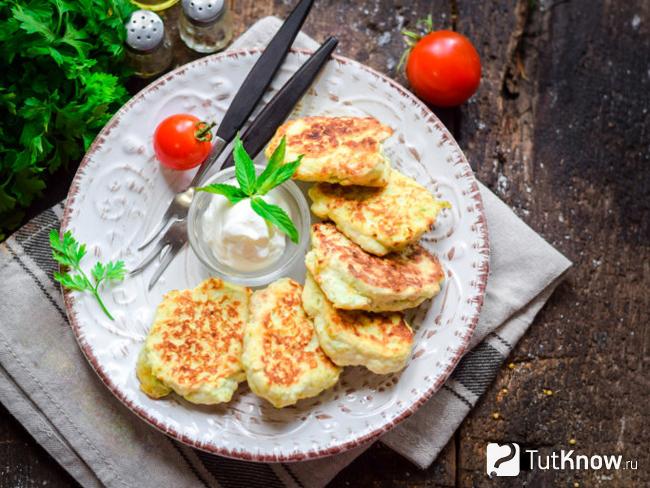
{"points": [[182, 141], [444, 68]]}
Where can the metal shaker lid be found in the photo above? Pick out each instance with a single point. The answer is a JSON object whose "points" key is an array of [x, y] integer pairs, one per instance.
{"points": [[144, 30], [203, 11]]}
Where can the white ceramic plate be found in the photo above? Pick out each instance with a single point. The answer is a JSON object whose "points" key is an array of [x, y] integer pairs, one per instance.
{"points": [[120, 191]]}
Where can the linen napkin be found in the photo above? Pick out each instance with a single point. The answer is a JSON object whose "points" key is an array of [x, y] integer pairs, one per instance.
{"points": [[48, 386]]}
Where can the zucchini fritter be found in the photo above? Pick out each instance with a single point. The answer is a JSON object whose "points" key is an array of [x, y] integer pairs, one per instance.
{"points": [[194, 346], [344, 150], [380, 220], [282, 357], [381, 342], [355, 280]]}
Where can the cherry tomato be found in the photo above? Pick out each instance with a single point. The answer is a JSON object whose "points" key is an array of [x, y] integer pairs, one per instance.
{"points": [[182, 141], [444, 68]]}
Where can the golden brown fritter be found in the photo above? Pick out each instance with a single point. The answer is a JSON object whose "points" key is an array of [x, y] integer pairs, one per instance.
{"points": [[194, 346], [282, 358], [355, 280], [381, 342], [343, 150], [380, 220]]}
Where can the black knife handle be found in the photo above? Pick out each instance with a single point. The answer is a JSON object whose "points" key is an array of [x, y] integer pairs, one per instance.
{"points": [[260, 76], [280, 106]]}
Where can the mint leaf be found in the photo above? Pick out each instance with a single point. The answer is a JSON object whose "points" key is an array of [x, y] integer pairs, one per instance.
{"points": [[276, 160], [279, 176], [232, 193], [276, 216], [244, 168]]}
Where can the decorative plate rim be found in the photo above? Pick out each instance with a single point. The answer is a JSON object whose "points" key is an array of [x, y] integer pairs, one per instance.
{"points": [[484, 265]]}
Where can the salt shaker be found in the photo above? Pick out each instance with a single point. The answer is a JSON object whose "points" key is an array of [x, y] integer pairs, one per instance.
{"points": [[148, 48], [205, 25]]}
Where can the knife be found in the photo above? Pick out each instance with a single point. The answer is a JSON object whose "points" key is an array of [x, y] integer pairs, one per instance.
{"points": [[241, 107]]}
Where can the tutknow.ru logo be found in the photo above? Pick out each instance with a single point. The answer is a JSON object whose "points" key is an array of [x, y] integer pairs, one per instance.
{"points": [[505, 460]]}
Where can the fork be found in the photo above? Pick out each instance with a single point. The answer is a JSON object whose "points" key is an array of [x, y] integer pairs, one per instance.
{"points": [[171, 242], [254, 139]]}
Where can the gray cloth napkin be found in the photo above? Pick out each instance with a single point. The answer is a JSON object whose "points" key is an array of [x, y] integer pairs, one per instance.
{"points": [[48, 386]]}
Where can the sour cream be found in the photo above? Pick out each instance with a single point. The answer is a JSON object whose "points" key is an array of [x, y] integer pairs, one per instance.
{"points": [[240, 238]]}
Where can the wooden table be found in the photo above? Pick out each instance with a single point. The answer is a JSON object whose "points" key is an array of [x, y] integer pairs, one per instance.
{"points": [[560, 130]]}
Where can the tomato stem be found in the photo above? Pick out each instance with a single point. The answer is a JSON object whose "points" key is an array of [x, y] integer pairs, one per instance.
{"points": [[411, 38], [203, 131]]}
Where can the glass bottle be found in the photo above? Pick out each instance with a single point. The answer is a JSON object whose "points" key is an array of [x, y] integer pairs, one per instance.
{"points": [[205, 25], [154, 4], [148, 48]]}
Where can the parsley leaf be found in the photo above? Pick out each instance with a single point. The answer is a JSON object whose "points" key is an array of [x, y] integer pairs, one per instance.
{"points": [[74, 282], [69, 253], [275, 215], [115, 271], [62, 80], [98, 271]]}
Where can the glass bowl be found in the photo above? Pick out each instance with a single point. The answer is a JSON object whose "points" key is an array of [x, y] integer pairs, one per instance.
{"points": [[298, 209]]}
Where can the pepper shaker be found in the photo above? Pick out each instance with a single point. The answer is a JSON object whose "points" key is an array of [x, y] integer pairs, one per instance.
{"points": [[205, 25], [148, 48]]}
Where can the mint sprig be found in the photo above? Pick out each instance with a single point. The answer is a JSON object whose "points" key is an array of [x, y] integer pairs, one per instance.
{"points": [[254, 187], [69, 253]]}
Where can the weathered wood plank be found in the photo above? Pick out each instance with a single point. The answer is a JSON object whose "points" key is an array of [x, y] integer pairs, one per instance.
{"points": [[561, 135]]}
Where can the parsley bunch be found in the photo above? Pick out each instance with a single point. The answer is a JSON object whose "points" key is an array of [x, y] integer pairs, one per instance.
{"points": [[253, 187], [61, 80], [69, 253]]}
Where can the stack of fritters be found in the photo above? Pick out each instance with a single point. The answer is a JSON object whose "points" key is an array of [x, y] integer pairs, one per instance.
{"points": [[369, 259], [346, 287]]}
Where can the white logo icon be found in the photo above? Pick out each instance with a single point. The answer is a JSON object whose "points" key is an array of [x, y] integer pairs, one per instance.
{"points": [[502, 459]]}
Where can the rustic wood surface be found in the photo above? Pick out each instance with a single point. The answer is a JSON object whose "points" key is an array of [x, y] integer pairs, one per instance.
{"points": [[559, 129]]}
